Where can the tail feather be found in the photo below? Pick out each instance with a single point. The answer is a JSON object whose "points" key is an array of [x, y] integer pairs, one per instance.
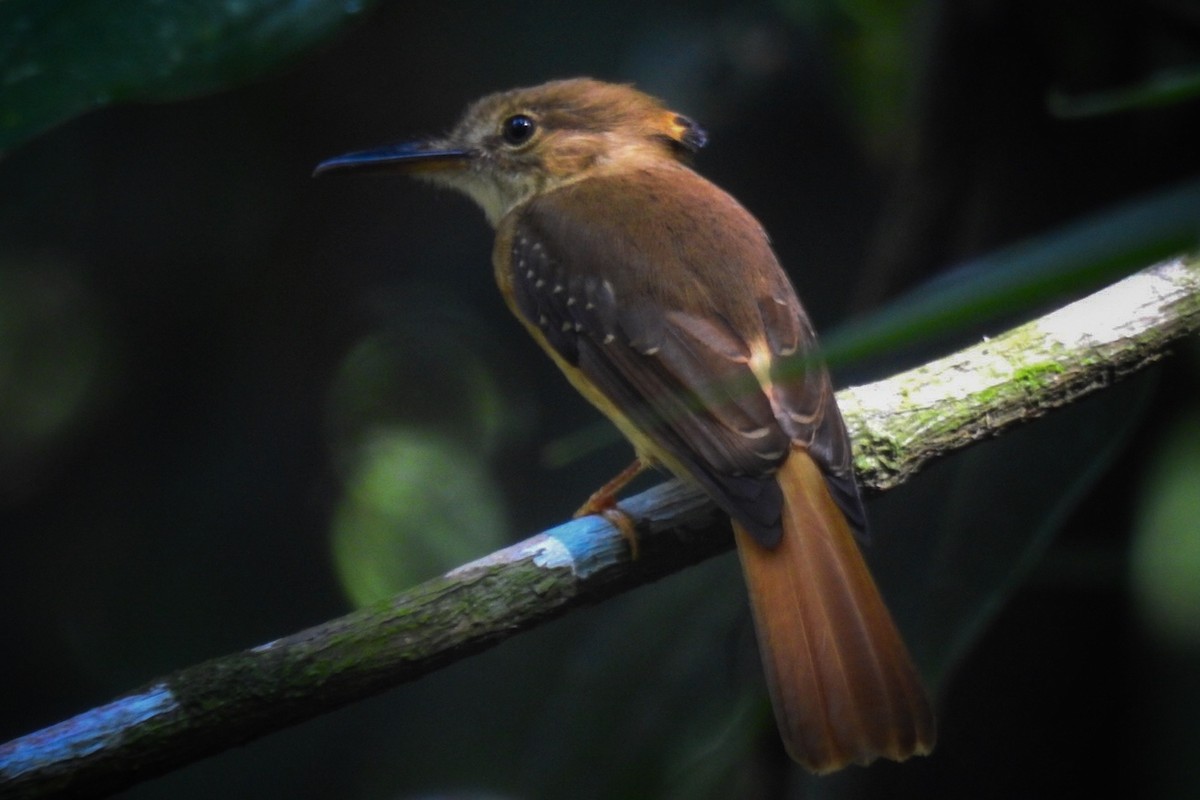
{"points": [[842, 683]]}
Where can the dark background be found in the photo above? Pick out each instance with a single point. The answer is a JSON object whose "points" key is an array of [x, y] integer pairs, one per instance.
{"points": [[235, 401]]}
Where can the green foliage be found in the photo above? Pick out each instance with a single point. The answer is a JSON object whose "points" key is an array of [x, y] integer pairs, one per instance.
{"points": [[60, 58], [1167, 88], [1166, 553], [1065, 263], [416, 505]]}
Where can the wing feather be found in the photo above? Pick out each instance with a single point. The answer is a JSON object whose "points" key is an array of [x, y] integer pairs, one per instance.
{"points": [[667, 349]]}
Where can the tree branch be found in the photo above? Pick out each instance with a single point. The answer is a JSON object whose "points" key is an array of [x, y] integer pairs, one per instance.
{"points": [[901, 423], [898, 425]]}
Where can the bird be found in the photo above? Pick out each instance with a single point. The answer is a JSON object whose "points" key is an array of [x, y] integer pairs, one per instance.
{"points": [[661, 299]]}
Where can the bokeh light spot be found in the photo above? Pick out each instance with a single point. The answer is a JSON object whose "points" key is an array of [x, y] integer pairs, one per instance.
{"points": [[416, 504], [1166, 547]]}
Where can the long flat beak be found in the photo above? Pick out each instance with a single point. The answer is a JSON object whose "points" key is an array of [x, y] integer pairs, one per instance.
{"points": [[407, 158]]}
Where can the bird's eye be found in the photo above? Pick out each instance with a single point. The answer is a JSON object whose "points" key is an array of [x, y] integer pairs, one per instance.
{"points": [[517, 129]]}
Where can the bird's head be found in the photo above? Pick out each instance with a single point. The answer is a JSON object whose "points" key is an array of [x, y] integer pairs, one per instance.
{"points": [[511, 146]]}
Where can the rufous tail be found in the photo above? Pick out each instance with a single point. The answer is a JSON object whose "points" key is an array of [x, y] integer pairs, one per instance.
{"points": [[844, 688]]}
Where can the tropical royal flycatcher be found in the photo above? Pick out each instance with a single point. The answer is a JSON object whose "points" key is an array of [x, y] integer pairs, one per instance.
{"points": [[661, 300]]}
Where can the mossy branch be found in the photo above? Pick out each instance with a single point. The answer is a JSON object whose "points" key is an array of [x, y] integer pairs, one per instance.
{"points": [[898, 425], [901, 423]]}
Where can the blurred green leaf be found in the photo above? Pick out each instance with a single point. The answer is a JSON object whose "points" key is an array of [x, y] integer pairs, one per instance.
{"points": [[1166, 549], [415, 416], [60, 58], [1068, 262], [416, 505], [1162, 89]]}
